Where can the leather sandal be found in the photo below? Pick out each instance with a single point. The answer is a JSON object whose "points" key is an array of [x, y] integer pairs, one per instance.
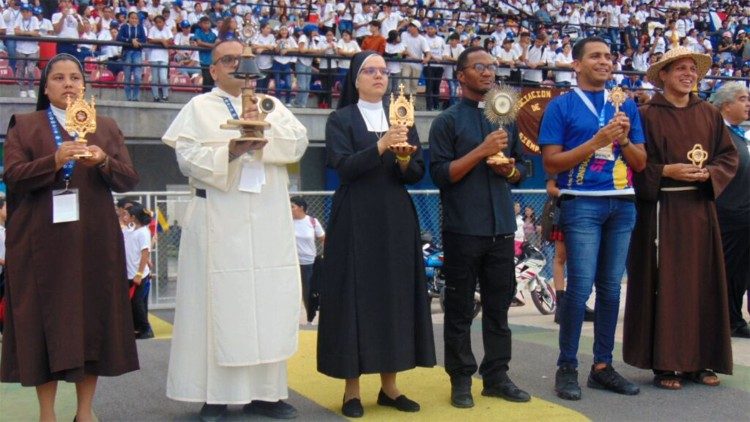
{"points": [[668, 381], [705, 377]]}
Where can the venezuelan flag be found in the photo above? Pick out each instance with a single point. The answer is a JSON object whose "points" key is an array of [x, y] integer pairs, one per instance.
{"points": [[163, 224]]}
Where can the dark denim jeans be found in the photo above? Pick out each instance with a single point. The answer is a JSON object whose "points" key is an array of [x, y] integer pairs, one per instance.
{"points": [[132, 60], [597, 236], [283, 71]]}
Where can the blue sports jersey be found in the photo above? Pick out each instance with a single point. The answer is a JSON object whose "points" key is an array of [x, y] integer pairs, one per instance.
{"points": [[568, 121]]}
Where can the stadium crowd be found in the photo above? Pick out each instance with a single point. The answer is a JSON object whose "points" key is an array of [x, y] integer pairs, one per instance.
{"points": [[304, 44]]}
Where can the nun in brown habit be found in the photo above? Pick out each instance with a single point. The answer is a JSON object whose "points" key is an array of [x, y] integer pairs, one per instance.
{"points": [[68, 316]]}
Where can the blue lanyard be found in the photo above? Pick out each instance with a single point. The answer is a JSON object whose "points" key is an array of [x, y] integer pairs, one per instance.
{"points": [[590, 106], [738, 131], [232, 111], [70, 165]]}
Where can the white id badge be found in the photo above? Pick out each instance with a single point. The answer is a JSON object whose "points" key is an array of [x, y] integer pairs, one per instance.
{"points": [[253, 176], [64, 205], [605, 153]]}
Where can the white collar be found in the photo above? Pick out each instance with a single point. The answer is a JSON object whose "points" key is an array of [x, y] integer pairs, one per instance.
{"points": [[59, 114], [221, 93], [370, 106]]}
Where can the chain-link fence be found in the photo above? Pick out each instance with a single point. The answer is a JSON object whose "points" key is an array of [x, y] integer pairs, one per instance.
{"points": [[169, 209]]}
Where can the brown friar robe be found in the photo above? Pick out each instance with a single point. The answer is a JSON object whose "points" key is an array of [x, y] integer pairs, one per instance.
{"points": [[68, 311], [676, 314]]}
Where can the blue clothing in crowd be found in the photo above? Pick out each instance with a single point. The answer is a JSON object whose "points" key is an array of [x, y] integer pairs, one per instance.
{"points": [[207, 37]]}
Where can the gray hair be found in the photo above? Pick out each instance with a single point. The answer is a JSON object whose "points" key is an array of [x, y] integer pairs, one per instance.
{"points": [[728, 93]]}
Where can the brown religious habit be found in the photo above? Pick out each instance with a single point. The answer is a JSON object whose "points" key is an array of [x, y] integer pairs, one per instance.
{"points": [[68, 311], [676, 313]]}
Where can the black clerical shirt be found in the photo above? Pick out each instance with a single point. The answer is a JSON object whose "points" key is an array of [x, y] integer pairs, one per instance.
{"points": [[480, 204]]}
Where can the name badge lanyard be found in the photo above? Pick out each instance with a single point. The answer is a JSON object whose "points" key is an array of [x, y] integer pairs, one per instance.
{"points": [[232, 111], [69, 165], [738, 131], [591, 107]]}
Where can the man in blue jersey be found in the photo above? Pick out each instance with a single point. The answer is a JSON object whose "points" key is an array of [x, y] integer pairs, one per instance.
{"points": [[593, 150]]}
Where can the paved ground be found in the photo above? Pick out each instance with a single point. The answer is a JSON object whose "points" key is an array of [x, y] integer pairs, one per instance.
{"points": [[140, 396]]}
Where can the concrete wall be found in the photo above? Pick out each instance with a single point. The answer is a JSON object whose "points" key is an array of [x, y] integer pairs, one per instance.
{"points": [[143, 121], [143, 124]]}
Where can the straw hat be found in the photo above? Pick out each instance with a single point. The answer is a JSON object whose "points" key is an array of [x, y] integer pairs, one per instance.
{"points": [[702, 62]]}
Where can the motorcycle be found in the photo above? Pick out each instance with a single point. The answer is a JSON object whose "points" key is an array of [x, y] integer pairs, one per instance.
{"points": [[433, 263], [527, 268]]}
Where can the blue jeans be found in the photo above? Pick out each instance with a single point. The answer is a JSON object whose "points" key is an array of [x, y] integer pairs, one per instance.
{"points": [[597, 236], [132, 60], [160, 79], [453, 85], [261, 85], [304, 73], [283, 71], [10, 47]]}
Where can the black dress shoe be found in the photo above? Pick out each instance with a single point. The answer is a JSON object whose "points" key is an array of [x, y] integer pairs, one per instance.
{"points": [[401, 402], [271, 409], [146, 335], [608, 379], [741, 332], [566, 383], [212, 412], [461, 393], [353, 408], [507, 390]]}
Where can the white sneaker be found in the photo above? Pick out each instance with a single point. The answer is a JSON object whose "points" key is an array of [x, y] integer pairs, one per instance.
{"points": [[32, 94], [24, 94]]}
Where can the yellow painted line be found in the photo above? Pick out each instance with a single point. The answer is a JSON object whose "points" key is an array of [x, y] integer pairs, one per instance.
{"points": [[19, 404], [430, 387], [162, 329]]}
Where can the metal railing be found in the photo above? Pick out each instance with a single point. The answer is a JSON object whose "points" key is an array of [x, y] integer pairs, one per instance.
{"points": [[172, 206], [323, 83]]}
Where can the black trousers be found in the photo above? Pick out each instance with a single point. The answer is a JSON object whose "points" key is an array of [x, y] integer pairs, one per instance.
{"points": [[736, 242], [433, 76], [208, 80], [139, 306], [489, 261], [306, 272], [326, 81]]}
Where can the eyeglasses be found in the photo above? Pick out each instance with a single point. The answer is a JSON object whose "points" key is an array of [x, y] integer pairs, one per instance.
{"points": [[481, 67], [228, 60], [371, 71]]}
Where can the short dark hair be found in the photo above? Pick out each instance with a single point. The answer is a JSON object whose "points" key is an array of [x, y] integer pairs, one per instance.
{"points": [[140, 213], [580, 46], [376, 23], [123, 202], [299, 201], [463, 58]]}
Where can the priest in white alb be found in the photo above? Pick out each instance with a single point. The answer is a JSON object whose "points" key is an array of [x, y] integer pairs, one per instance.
{"points": [[238, 291]]}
